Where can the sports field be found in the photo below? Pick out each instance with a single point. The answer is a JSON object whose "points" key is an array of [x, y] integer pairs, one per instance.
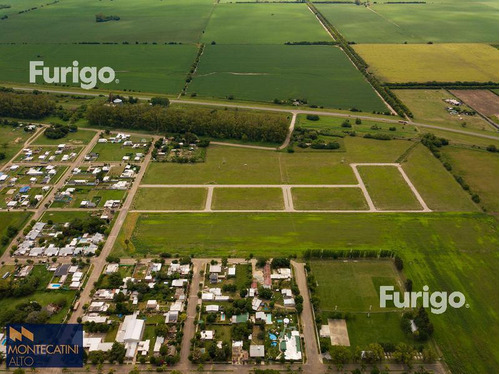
{"points": [[263, 24], [322, 75], [153, 68], [431, 62], [247, 198], [169, 198], [457, 22], [328, 199], [74, 21]]}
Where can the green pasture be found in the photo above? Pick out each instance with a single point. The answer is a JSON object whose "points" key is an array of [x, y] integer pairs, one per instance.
{"points": [[328, 199], [170, 198], [247, 199]]}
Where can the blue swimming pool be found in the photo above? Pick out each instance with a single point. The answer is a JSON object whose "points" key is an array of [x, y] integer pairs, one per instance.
{"points": [[272, 336]]}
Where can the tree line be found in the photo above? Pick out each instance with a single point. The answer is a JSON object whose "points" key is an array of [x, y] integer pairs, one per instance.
{"points": [[216, 123], [25, 105]]}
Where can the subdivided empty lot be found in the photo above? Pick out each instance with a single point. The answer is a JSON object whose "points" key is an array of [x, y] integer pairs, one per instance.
{"points": [[170, 198], [247, 199], [328, 199], [431, 62], [322, 75]]}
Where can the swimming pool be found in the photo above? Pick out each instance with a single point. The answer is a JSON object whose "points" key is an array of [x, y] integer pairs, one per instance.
{"points": [[272, 336]]}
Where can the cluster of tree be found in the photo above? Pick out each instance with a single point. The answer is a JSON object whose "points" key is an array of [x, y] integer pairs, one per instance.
{"points": [[221, 124], [425, 328], [102, 18], [10, 233], [362, 66], [306, 138], [194, 66], [4, 6], [29, 312], [161, 101], [378, 136], [214, 353], [115, 354], [22, 105], [14, 287], [58, 131], [130, 99], [280, 262], [97, 327]]}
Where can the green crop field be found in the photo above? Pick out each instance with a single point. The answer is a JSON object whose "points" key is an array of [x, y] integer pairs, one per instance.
{"points": [[479, 169], [170, 198], [387, 188], [353, 286], [437, 187], [145, 21], [247, 199], [73, 138], [455, 22], [431, 62], [153, 68], [328, 199], [321, 74], [12, 141], [231, 165], [429, 106], [15, 219], [263, 24]]}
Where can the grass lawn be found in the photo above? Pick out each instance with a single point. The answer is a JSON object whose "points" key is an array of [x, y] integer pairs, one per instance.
{"points": [[80, 137], [170, 198], [263, 24], [12, 141], [387, 188], [247, 198], [268, 72], [152, 68], [353, 286], [16, 219], [145, 21], [62, 217], [429, 106], [230, 165], [414, 23], [431, 62], [115, 151], [328, 199], [435, 184], [480, 170]]}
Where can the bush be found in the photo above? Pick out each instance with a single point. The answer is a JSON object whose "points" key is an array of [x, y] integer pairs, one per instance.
{"points": [[312, 117]]}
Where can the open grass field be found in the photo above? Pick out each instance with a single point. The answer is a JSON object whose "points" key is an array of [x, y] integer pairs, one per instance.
{"points": [[353, 286], [153, 68], [456, 22], [429, 106], [328, 199], [16, 219], [12, 140], [116, 151], [145, 21], [334, 124], [230, 165], [480, 170], [435, 184], [387, 188], [62, 217], [431, 62], [263, 24], [447, 251], [321, 74], [97, 195], [170, 198], [247, 198], [80, 137]]}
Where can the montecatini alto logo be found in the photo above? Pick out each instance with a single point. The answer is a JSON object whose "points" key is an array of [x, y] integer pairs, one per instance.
{"points": [[58, 345], [86, 76]]}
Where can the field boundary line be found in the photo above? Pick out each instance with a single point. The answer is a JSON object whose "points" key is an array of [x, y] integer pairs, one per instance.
{"points": [[363, 188]]}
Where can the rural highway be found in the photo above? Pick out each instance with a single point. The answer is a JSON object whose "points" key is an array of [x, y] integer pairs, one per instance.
{"points": [[294, 112]]}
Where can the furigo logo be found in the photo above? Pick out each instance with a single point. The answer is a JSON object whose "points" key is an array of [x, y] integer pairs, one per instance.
{"points": [[437, 301], [87, 76], [57, 345]]}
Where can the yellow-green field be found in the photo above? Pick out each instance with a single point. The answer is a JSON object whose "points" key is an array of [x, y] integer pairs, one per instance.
{"points": [[431, 62]]}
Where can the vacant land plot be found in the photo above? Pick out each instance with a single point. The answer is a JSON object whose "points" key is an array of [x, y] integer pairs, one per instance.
{"points": [[480, 171], [170, 198], [456, 22], [116, 151], [63, 217], [75, 21], [431, 62], [247, 198], [231, 165], [484, 101], [15, 219], [328, 199], [153, 68], [387, 188], [79, 137], [268, 72], [12, 141], [263, 24], [435, 184], [97, 196], [429, 106], [353, 286]]}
